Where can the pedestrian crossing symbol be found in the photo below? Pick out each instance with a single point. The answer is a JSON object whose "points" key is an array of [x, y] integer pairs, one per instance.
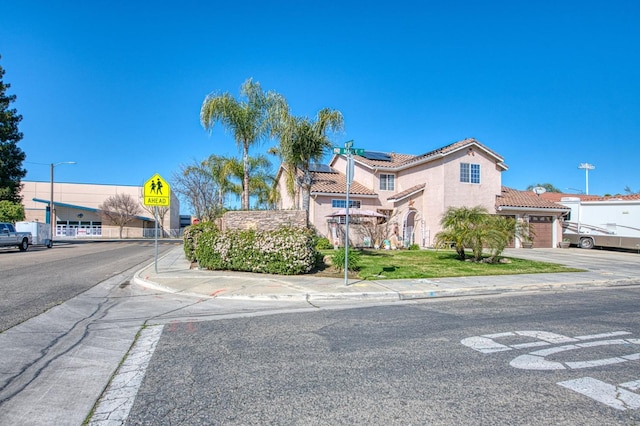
{"points": [[156, 192]]}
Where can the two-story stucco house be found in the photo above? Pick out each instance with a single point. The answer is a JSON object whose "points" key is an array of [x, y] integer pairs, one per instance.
{"points": [[414, 191]]}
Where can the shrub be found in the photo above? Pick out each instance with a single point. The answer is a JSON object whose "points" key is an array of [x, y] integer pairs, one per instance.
{"points": [[338, 258], [286, 251], [323, 243], [414, 247], [191, 236]]}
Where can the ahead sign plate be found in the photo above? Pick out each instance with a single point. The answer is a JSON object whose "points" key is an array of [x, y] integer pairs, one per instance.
{"points": [[156, 192]]}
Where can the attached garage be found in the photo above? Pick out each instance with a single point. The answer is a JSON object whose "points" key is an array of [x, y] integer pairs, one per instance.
{"points": [[544, 216], [542, 227]]}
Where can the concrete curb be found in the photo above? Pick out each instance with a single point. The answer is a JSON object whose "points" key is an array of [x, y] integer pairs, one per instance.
{"points": [[174, 277]]}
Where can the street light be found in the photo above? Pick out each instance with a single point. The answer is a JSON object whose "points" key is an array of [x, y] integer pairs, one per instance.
{"points": [[586, 167], [52, 215]]}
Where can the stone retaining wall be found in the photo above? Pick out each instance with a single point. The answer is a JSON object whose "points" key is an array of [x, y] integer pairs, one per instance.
{"points": [[263, 220]]}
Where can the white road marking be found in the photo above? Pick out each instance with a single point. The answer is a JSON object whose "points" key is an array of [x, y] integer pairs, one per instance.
{"points": [[634, 386], [536, 360], [620, 397], [116, 402], [611, 395], [486, 343], [603, 335]]}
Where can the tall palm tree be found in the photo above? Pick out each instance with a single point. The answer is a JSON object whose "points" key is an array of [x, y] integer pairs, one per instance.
{"points": [[303, 141], [250, 121]]}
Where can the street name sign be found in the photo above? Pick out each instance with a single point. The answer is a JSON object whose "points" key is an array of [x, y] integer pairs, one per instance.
{"points": [[346, 151], [156, 192]]}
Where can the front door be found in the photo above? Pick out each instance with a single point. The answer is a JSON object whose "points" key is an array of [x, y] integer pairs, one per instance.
{"points": [[408, 228]]}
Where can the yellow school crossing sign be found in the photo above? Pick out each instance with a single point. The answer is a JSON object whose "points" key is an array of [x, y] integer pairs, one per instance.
{"points": [[156, 192]]}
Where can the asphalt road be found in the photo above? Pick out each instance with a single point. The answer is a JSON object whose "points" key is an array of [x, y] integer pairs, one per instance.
{"points": [[411, 363], [40, 278], [131, 355]]}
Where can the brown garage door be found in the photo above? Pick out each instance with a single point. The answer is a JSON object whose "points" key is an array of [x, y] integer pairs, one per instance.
{"points": [[543, 229]]}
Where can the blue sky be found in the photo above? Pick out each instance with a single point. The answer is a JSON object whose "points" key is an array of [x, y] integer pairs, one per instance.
{"points": [[117, 86]]}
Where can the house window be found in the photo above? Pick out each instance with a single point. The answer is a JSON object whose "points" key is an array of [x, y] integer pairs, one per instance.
{"points": [[387, 182], [469, 173], [341, 204]]}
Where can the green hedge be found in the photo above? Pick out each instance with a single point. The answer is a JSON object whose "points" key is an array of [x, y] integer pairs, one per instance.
{"points": [[191, 235], [286, 251]]}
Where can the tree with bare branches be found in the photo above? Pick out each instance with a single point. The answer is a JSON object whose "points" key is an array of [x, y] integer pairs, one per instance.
{"points": [[119, 210]]}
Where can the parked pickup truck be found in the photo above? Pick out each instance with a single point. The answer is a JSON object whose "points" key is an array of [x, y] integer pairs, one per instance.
{"points": [[10, 238]]}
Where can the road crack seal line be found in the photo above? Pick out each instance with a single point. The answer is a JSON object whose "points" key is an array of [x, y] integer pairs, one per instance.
{"points": [[45, 351], [116, 403]]}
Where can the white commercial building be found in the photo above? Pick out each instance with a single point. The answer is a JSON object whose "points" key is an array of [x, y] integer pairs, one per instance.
{"points": [[77, 212]]}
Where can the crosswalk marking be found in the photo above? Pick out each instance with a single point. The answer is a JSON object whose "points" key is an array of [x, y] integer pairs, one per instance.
{"points": [[611, 395]]}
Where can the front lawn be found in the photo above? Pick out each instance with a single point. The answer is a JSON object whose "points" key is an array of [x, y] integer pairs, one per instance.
{"points": [[401, 264]]}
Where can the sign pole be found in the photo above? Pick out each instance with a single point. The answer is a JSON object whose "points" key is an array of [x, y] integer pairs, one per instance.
{"points": [[155, 215], [346, 220], [156, 192], [348, 151]]}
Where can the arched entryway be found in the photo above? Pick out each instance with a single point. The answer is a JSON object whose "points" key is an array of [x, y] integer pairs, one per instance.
{"points": [[408, 228]]}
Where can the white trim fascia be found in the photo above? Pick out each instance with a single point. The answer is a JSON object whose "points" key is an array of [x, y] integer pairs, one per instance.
{"points": [[395, 200], [497, 157]]}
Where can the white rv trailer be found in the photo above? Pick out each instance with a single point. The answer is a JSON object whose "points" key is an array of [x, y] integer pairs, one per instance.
{"points": [[607, 222]]}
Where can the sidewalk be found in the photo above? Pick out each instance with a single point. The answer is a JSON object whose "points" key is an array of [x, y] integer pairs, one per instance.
{"points": [[603, 269]]}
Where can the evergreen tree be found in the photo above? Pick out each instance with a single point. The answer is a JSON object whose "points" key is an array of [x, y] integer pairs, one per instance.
{"points": [[11, 156]]}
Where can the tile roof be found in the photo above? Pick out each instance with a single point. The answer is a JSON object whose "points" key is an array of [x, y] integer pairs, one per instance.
{"points": [[336, 183], [400, 195], [404, 160], [628, 197], [455, 147], [525, 199], [397, 160], [557, 196]]}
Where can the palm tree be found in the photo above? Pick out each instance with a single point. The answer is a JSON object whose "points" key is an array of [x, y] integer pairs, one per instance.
{"points": [[220, 169], [303, 141], [474, 228], [250, 121], [503, 230], [260, 181], [462, 228]]}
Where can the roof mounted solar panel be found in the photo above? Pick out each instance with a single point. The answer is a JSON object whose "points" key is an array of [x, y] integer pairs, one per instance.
{"points": [[379, 156], [321, 168]]}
